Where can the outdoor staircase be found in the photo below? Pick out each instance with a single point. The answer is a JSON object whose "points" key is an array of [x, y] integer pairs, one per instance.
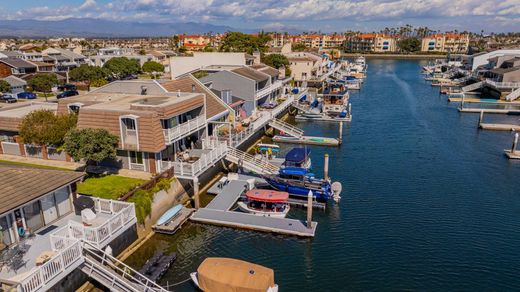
{"points": [[114, 274], [286, 128], [513, 95], [249, 162], [473, 86]]}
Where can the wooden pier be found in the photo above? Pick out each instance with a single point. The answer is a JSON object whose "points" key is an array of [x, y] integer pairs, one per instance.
{"points": [[488, 111], [499, 127], [218, 213], [173, 225]]}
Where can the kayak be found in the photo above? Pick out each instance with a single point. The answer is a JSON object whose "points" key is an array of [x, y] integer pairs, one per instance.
{"points": [[168, 215]]}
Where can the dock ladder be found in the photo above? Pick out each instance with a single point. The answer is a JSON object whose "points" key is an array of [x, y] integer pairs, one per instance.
{"points": [[113, 273], [286, 127], [248, 161]]}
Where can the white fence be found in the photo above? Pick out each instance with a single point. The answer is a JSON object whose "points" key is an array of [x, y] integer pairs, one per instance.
{"points": [[268, 89], [182, 130]]}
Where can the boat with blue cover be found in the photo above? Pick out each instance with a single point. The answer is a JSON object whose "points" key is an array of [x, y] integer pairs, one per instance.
{"points": [[169, 215], [299, 181], [298, 157]]}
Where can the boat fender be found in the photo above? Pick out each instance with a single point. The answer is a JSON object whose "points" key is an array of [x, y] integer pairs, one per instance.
{"points": [[21, 231]]}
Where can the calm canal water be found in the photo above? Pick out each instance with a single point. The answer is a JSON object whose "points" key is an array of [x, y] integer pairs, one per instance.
{"points": [[429, 202]]}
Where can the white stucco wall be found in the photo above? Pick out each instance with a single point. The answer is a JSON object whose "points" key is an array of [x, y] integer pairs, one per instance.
{"points": [[483, 59], [182, 65]]}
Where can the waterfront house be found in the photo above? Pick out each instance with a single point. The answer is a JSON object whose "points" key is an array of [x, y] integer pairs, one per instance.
{"points": [[309, 68], [182, 65], [44, 237], [482, 59], [16, 66], [256, 85]]}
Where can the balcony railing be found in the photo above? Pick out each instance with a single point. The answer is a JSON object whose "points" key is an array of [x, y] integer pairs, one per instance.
{"points": [[503, 84], [268, 89], [206, 160], [184, 129]]}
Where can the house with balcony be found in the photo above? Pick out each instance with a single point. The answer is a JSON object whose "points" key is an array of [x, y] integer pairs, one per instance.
{"points": [[446, 43], [63, 60], [153, 124], [256, 85], [47, 242]]}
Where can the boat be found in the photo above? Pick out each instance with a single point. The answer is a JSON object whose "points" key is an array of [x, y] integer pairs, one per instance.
{"points": [[227, 274], [266, 203], [299, 181], [157, 266], [269, 151], [169, 215], [306, 140], [298, 157]]}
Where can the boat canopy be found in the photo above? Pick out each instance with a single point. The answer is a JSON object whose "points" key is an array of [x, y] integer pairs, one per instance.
{"points": [[298, 155], [225, 274], [269, 196], [294, 171]]}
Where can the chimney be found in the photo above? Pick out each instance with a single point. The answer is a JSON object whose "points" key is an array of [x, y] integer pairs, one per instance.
{"points": [[143, 90]]}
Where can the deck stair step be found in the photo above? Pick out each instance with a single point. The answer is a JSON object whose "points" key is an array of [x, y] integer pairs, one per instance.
{"points": [[250, 162], [286, 127], [513, 95], [114, 274], [473, 86]]}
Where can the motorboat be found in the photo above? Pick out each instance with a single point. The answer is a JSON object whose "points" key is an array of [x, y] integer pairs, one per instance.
{"points": [[299, 181], [227, 274], [298, 157], [266, 203]]}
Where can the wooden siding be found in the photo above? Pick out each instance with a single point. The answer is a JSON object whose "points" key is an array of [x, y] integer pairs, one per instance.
{"points": [[9, 124]]}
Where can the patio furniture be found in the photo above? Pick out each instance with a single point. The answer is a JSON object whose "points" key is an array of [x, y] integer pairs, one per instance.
{"points": [[17, 263], [82, 203], [44, 257], [88, 217]]}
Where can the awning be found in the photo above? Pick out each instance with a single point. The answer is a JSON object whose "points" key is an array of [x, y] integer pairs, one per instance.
{"points": [[267, 196]]}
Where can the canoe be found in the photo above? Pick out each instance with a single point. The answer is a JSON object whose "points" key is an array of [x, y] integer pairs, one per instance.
{"points": [[168, 215]]}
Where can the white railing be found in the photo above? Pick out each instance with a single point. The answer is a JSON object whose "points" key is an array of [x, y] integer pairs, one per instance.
{"points": [[250, 162], [268, 89], [503, 84], [513, 95], [66, 259], [184, 129], [194, 169]]}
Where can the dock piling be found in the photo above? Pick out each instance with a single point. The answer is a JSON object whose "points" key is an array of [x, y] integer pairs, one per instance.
{"points": [[326, 167], [515, 143], [196, 195], [340, 138], [462, 102], [481, 117], [309, 210]]}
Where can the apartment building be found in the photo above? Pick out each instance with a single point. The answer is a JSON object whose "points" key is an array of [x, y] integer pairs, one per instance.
{"points": [[371, 42], [195, 42], [446, 43], [308, 67]]}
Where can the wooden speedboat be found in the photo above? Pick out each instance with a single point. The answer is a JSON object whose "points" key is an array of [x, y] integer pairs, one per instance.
{"points": [[230, 275], [266, 203]]}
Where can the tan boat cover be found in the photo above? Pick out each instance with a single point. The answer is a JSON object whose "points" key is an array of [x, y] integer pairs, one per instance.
{"points": [[225, 274]]}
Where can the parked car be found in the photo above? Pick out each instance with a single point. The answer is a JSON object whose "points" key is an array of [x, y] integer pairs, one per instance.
{"points": [[67, 93], [67, 87], [6, 98], [26, 95]]}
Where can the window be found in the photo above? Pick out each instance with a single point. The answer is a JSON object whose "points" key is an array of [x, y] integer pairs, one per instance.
{"points": [[33, 217], [74, 108], [129, 123], [136, 157], [169, 123], [5, 228]]}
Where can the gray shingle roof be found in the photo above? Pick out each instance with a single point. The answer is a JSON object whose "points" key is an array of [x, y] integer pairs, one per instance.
{"points": [[251, 74], [20, 185], [17, 63]]}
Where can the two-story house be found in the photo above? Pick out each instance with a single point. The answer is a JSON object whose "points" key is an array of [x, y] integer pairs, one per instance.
{"points": [[15, 66]]}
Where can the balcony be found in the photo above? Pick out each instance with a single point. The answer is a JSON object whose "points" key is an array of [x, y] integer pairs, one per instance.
{"points": [[180, 131], [268, 89], [65, 246]]}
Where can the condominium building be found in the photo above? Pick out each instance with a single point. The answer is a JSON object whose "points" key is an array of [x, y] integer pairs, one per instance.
{"points": [[446, 43], [371, 42]]}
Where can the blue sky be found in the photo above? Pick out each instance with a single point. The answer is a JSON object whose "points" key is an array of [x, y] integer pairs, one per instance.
{"points": [[324, 15]]}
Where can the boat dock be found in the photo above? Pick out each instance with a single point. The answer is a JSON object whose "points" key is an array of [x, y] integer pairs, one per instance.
{"points": [[175, 223], [324, 118], [488, 111], [218, 213], [310, 140], [499, 127], [512, 155]]}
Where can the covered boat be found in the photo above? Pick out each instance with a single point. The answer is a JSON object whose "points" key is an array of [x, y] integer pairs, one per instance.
{"points": [[298, 157], [267, 203], [299, 181], [226, 274]]}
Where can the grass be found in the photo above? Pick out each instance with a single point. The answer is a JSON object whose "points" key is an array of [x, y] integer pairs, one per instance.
{"points": [[108, 186], [33, 165]]}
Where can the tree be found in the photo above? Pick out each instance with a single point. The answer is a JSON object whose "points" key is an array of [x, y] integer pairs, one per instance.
{"points": [[183, 50], [43, 127], [299, 47], [4, 86], [142, 52], [275, 60], [43, 83], [409, 45], [87, 73], [92, 145], [240, 42], [122, 66], [152, 66]]}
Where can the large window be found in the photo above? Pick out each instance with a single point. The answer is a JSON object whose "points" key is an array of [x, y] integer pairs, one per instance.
{"points": [[129, 123], [5, 228], [136, 157], [169, 123], [33, 216]]}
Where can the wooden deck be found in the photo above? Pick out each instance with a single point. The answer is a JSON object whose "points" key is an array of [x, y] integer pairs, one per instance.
{"points": [[172, 226]]}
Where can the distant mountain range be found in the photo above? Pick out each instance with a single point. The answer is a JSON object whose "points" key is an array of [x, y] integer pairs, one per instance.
{"points": [[88, 27]]}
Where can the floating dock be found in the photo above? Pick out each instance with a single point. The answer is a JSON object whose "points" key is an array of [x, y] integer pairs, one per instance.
{"points": [[218, 213], [499, 127], [489, 111], [175, 223], [310, 140], [512, 155], [323, 118]]}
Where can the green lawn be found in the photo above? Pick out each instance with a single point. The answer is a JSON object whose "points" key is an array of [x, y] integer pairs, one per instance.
{"points": [[108, 186], [33, 165]]}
